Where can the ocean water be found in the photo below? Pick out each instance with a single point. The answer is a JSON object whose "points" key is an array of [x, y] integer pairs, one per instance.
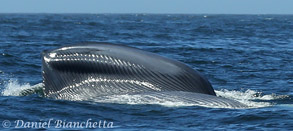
{"points": [[247, 58]]}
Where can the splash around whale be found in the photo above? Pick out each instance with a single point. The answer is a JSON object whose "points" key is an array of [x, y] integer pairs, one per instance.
{"points": [[102, 70]]}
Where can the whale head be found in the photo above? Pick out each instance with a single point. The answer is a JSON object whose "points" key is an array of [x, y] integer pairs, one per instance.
{"points": [[100, 69]]}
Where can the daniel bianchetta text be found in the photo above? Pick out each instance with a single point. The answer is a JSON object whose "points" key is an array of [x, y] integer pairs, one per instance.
{"points": [[55, 123]]}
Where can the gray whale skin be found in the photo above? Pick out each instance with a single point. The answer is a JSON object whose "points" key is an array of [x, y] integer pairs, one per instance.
{"points": [[88, 70]]}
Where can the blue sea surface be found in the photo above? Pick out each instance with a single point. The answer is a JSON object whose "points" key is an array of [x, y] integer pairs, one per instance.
{"points": [[247, 58]]}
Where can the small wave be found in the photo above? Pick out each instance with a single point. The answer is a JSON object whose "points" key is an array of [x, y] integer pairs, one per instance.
{"points": [[14, 88], [269, 18], [247, 97]]}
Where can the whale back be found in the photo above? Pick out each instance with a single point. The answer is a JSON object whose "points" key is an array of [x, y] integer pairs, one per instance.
{"points": [[101, 69]]}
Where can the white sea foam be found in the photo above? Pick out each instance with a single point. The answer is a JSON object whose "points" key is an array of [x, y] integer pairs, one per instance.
{"points": [[247, 97], [14, 88]]}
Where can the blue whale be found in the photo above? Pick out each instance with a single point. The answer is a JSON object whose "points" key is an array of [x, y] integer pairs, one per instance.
{"points": [[89, 70]]}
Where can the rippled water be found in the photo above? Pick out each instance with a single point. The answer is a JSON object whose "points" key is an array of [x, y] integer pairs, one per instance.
{"points": [[247, 58]]}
